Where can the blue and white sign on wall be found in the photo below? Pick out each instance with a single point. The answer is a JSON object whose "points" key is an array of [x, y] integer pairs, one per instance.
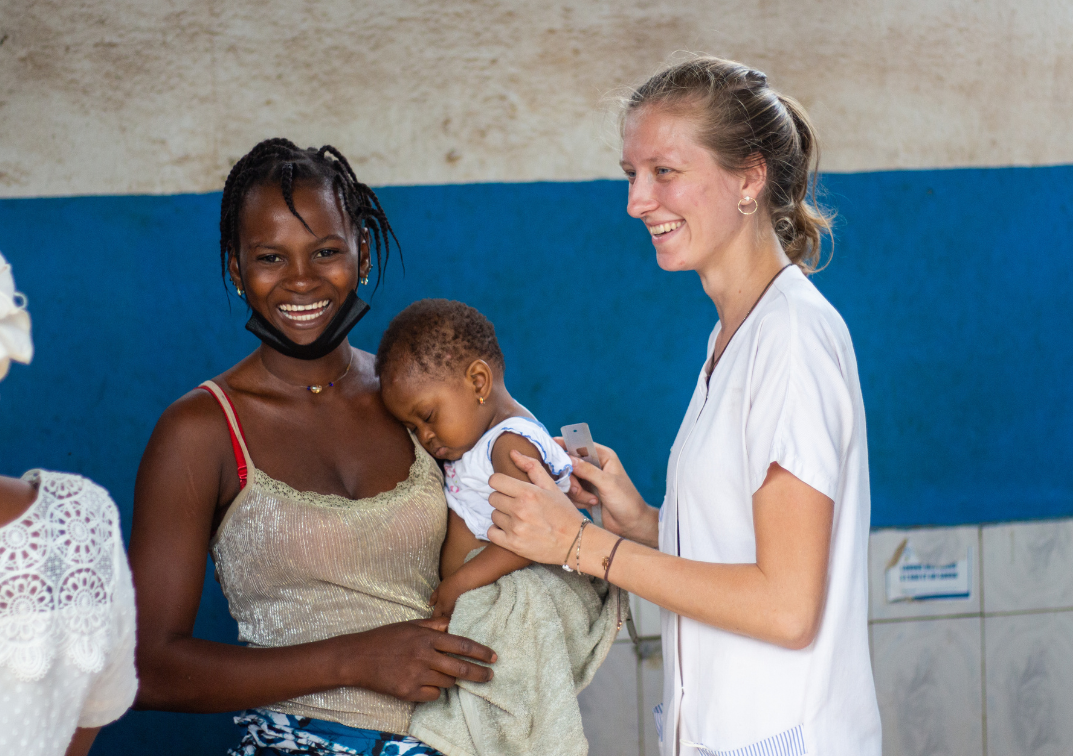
{"points": [[908, 579]]}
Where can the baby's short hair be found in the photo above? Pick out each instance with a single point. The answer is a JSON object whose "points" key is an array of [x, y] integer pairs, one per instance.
{"points": [[439, 335]]}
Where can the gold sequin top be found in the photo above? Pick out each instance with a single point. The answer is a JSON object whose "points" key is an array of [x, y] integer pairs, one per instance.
{"points": [[299, 567]]}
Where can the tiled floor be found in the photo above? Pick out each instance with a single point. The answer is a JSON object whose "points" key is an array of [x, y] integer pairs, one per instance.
{"points": [[990, 675]]}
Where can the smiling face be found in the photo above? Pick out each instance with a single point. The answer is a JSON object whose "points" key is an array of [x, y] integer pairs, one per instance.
{"points": [[688, 202], [295, 279], [442, 411]]}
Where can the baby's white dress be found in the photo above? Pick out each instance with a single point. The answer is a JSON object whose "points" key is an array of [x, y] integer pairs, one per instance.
{"points": [[466, 479], [66, 617]]}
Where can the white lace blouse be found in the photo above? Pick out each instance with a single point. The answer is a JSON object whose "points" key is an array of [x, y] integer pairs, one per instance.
{"points": [[66, 617]]}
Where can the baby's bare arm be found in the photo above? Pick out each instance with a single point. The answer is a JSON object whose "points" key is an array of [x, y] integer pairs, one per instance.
{"points": [[457, 545], [484, 569]]}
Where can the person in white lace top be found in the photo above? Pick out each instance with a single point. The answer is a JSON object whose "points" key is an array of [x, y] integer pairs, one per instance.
{"points": [[66, 596]]}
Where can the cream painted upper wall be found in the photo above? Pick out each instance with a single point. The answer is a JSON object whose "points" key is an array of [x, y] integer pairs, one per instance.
{"points": [[158, 96]]}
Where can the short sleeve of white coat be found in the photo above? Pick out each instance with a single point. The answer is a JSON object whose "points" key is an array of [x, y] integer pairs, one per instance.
{"points": [[801, 409], [111, 691]]}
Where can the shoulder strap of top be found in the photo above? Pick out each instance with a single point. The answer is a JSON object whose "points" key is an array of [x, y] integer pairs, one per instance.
{"points": [[234, 427]]}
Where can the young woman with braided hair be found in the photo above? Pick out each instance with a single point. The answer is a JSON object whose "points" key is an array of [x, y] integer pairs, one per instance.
{"points": [[322, 514], [758, 555]]}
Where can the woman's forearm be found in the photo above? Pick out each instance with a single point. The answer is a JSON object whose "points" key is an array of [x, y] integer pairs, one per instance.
{"points": [[410, 661], [735, 597], [195, 675], [778, 599]]}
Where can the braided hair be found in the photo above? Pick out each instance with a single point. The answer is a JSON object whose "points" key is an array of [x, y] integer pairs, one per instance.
{"points": [[280, 160]]}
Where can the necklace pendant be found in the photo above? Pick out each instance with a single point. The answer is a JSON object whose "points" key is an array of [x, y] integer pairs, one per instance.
{"points": [[317, 388]]}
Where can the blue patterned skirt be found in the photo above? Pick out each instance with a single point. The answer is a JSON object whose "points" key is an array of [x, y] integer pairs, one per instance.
{"points": [[269, 733]]}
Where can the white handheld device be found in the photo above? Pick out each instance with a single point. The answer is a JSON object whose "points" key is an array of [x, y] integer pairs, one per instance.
{"points": [[579, 443]]}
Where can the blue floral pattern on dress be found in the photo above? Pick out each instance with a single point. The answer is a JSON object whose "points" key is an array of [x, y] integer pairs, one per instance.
{"points": [[270, 733]]}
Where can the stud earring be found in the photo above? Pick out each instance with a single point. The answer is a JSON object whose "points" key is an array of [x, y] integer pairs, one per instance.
{"points": [[480, 400], [238, 289], [364, 280]]}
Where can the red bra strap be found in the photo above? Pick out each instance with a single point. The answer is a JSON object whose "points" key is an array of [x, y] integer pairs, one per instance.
{"points": [[236, 445]]}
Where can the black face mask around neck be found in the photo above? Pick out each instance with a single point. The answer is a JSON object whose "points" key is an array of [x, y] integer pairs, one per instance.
{"points": [[349, 314]]}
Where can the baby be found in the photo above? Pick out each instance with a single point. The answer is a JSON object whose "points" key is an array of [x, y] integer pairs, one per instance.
{"points": [[441, 374]]}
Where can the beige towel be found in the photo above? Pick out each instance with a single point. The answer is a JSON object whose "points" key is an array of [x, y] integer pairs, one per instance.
{"points": [[551, 630]]}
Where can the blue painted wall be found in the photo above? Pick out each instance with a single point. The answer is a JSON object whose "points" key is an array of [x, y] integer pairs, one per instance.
{"points": [[954, 285]]}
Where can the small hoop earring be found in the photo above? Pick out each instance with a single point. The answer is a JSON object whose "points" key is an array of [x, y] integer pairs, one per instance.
{"points": [[480, 400], [747, 200], [364, 281]]}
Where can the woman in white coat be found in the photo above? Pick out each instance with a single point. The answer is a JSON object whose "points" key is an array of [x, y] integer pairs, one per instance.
{"points": [[758, 553]]}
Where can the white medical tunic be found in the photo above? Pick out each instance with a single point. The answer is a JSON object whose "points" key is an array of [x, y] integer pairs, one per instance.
{"points": [[785, 390]]}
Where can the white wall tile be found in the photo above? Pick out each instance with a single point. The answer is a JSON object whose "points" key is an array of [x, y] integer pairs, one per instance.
{"points": [[1028, 565], [609, 705], [1029, 684], [646, 617], [934, 546], [928, 681], [651, 694]]}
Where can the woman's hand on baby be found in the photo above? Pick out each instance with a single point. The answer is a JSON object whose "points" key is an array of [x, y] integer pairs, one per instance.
{"points": [[625, 513], [412, 661], [534, 520]]}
